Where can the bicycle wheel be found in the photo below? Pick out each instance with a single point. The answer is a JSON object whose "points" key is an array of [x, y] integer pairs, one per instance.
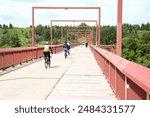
{"points": [[49, 63], [65, 53], [46, 62]]}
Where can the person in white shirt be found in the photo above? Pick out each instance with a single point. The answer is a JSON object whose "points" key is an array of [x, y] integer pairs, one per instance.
{"points": [[69, 45], [46, 50]]}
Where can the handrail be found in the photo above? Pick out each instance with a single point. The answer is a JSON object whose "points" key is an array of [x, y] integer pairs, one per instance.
{"points": [[129, 80], [10, 57]]}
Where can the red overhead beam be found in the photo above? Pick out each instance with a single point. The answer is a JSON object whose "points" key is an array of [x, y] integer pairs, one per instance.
{"points": [[66, 8], [74, 20], [51, 21]]}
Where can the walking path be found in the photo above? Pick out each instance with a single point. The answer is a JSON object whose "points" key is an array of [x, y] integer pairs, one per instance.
{"points": [[77, 77]]}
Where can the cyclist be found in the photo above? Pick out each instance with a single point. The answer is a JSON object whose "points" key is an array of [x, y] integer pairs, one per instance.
{"points": [[46, 51], [65, 49], [86, 44]]}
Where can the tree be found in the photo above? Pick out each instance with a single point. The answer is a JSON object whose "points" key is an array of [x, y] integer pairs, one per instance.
{"points": [[147, 26], [5, 31], [4, 42], [146, 37], [10, 26], [26, 34], [83, 24], [46, 34], [14, 40], [143, 27], [39, 30], [5, 26], [108, 35]]}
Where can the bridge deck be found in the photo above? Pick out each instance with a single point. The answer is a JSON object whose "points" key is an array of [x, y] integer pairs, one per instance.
{"points": [[77, 77]]}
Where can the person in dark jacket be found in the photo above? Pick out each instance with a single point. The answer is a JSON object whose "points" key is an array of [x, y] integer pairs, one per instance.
{"points": [[65, 49]]}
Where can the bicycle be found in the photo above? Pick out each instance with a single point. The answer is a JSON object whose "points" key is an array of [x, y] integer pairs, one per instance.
{"points": [[47, 62]]}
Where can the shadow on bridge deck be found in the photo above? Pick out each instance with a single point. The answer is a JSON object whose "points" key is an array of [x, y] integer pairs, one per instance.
{"points": [[77, 77]]}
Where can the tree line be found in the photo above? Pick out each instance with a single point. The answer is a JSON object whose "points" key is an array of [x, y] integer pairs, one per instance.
{"points": [[135, 42], [135, 46]]}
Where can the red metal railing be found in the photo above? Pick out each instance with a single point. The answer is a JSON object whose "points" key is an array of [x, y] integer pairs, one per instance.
{"points": [[13, 56], [110, 48], [130, 81]]}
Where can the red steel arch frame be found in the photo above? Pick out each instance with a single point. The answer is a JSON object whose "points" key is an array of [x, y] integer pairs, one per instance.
{"points": [[119, 22], [90, 40], [51, 23], [66, 8], [77, 27], [88, 34]]}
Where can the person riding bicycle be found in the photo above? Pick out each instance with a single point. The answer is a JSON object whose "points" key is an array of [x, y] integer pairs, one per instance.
{"points": [[46, 51], [86, 44], [65, 49]]}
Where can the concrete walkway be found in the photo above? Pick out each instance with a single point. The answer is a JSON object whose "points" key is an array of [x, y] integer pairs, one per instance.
{"points": [[77, 77]]}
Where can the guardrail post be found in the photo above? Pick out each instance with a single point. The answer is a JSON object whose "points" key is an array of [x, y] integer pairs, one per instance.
{"points": [[109, 72], [147, 96], [126, 88], [115, 81]]}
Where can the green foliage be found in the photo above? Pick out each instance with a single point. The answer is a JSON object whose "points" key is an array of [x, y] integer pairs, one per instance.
{"points": [[146, 37], [82, 40], [10, 26], [46, 34], [145, 26], [108, 35], [136, 46], [10, 40], [83, 24], [14, 40], [136, 38], [5, 31], [39, 30], [56, 41], [5, 26], [14, 37]]}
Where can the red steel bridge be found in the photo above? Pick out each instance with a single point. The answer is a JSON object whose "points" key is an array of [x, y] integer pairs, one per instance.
{"points": [[96, 72]]}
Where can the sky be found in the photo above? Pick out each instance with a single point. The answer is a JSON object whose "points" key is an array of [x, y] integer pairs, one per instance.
{"points": [[19, 12]]}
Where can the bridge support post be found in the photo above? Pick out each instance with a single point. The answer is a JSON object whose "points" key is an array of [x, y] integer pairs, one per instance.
{"points": [[98, 42], [51, 35], [62, 34], [32, 26], [119, 28]]}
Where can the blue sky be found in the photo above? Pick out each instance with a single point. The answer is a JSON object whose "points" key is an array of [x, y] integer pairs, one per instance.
{"points": [[19, 12]]}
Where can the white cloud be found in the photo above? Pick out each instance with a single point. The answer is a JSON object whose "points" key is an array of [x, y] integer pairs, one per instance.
{"points": [[19, 12]]}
